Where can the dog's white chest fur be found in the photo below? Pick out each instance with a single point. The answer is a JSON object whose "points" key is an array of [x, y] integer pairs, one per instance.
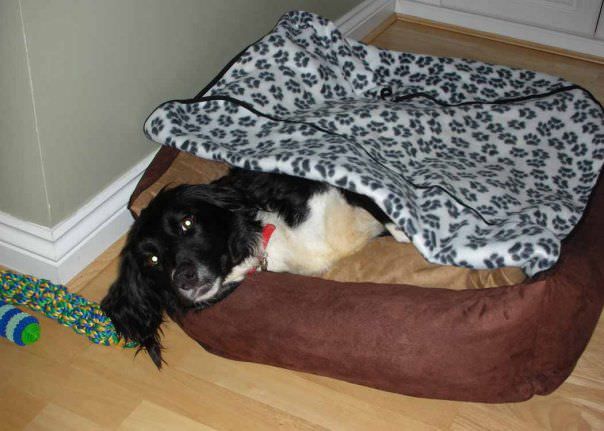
{"points": [[333, 229]]}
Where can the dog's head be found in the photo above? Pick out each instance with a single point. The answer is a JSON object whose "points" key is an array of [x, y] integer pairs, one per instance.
{"points": [[177, 255]]}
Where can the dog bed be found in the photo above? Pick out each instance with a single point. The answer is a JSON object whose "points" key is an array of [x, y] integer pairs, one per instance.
{"points": [[307, 102], [499, 344]]}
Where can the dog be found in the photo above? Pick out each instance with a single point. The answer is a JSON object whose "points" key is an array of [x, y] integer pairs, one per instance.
{"points": [[194, 244]]}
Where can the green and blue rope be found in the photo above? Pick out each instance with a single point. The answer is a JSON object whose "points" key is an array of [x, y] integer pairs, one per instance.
{"points": [[85, 317]]}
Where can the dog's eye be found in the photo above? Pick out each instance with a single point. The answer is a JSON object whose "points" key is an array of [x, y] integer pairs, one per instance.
{"points": [[152, 260], [187, 223]]}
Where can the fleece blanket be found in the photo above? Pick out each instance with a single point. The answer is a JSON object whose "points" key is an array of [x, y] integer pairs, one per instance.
{"points": [[481, 165]]}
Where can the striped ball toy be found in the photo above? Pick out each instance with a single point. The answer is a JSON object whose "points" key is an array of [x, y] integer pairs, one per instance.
{"points": [[17, 326]]}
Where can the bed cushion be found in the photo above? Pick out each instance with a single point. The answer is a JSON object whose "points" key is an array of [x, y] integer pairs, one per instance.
{"points": [[384, 260]]}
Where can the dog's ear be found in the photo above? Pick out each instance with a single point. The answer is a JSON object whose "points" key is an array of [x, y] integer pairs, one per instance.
{"points": [[135, 309], [218, 195]]}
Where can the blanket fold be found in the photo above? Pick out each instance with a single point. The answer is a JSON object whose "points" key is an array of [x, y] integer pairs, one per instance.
{"points": [[481, 165]]}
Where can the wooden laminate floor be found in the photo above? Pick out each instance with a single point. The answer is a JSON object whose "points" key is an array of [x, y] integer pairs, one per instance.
{"points": [[65, 383]]}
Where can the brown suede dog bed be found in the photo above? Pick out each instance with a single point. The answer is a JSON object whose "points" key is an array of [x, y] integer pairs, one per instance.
{"points": [[456, 340]]}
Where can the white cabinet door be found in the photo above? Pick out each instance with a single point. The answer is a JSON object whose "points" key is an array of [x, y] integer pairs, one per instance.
{"points": [[600, 29], [571, 16]]}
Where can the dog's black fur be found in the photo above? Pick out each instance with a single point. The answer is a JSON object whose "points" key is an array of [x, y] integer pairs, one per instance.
{"points": [[221, 231]]}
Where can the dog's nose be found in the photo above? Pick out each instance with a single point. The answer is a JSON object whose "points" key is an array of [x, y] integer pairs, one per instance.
{"points": [[185, 276]]}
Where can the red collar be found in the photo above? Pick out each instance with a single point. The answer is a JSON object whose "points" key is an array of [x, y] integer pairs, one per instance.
{"points": [[267, 232]]}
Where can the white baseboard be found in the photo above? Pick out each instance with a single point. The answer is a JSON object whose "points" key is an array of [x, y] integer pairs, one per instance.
{"points": [[58, 253], [514, 30], [365, 17]]}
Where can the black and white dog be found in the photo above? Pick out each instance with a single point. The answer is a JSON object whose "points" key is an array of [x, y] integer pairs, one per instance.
{"points": [[194, 244]]}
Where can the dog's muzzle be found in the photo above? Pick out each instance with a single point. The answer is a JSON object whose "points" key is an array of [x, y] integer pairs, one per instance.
{"points": [[194, 282]]}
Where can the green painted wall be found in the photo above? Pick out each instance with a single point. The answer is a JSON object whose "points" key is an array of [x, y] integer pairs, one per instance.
{"points": [[98, 68], [21, 179]]}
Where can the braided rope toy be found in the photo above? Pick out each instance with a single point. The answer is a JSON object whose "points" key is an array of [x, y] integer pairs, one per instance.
{"points": [[56, 302]]}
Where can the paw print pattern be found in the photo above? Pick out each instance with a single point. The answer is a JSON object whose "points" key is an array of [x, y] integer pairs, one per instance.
{"points": [[481, 165]]}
